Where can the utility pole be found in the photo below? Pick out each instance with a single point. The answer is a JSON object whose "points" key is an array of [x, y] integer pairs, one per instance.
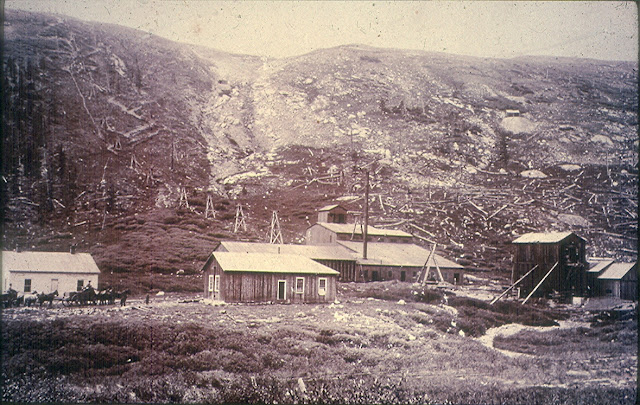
{"points": [[366, 214]]}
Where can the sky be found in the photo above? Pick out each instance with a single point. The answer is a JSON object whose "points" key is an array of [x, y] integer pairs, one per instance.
{"points": [[504, 29]]}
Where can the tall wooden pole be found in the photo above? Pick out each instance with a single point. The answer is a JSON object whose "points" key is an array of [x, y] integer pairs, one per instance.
{"points": [[366, 215]]}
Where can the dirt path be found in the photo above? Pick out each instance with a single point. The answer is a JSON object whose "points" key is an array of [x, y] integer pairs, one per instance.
{"points": [[513, 328]]}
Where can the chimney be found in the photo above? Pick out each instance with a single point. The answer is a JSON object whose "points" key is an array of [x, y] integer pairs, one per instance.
{"points": [[72, 249]]}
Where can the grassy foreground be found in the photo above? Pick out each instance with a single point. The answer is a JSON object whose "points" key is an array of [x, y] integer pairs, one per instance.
{"points": [[362, 350]]}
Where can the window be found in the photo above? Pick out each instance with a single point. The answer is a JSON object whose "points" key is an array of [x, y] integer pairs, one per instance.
{"points": [[216, 283], [390, 274], [210, 283], [299, 285], [27, 285], [80, 285], [322, 286]]}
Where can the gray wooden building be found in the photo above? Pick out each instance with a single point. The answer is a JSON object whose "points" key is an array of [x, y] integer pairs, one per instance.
{"points": [[333, 213], [261, 277], [553, 262], [611, 279]]}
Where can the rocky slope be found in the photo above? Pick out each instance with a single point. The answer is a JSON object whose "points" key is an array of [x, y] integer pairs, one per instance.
{"points": [[107, 127]]}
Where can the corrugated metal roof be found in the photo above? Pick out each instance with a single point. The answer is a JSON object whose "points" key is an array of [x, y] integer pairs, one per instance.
{"points": [[49, 262], [398, 254], [596, 266], [543, 237], [371, 231], [330, 207], [270, 263], [320, 252], [616, 271]]}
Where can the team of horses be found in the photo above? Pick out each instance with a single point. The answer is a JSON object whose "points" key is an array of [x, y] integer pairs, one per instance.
{"points": [[87, 296]]}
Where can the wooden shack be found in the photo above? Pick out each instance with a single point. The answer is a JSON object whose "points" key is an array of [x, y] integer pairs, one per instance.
{"points": [[335, 257], [333, 213], [556, 263], [619, 280], [260, 277]]}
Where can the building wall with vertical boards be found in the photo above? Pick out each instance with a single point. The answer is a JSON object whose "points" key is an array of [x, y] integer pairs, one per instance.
{"points": [[252, 286], [569, 274]]}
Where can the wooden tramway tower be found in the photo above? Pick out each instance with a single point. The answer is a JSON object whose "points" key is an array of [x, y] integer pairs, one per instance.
{"points": [[239, 221], [210, 209], [184, 201], [275, 233]]}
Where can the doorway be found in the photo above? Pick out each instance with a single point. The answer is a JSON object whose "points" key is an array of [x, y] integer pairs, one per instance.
{"points": [[403, 276], [282, 290]]}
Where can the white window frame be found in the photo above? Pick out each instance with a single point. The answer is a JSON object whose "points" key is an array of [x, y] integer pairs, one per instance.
{"points": [[321, 290], [210, 288], [299, 291], [216, 283]]}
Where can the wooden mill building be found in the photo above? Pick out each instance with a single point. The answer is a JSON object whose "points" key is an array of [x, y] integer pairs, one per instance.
{"points": [[332, 227], [335, 257], [401, 261], [46, 272], [330, 233], [264, 277], [553, 262]]}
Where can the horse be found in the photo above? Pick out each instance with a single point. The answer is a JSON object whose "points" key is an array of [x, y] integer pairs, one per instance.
{"points": [[30, 298], [105, 296], [8, 299], [42, 298], [88, 295]]}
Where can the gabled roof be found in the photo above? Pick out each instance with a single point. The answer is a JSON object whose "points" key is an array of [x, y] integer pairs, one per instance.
{"points": [[596, 266], [371, 231], [398, 254], [544, 237], [616, 271], [331, 207], [319, 252], [48, 262], [270, 263]]}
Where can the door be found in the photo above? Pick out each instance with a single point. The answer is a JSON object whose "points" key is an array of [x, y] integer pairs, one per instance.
{"points": [[374, 276], [403, 276], [282, 289], [210, 286], [54, 285]]}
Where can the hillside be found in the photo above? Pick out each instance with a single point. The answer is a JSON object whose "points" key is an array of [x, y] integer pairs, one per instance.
{"points": [[104, 125]]}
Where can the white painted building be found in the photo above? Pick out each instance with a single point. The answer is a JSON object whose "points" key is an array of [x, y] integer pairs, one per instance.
{"points": [[46, 272]]}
